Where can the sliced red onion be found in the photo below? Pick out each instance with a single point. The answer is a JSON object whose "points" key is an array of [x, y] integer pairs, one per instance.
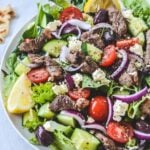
{"points": [[64, 52], [141, 135], [110, 109], [32, 66], [95, 126], [81, 24], [70, 81], [131, 98], [62, 28], [72, 69], [122, 66], [101, 25], [75, 114], [55, 34]]}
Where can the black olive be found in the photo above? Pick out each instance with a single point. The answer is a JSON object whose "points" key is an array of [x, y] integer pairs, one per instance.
{"points": [[101, 16], [44, 137], [143, 126], [109, 37]]}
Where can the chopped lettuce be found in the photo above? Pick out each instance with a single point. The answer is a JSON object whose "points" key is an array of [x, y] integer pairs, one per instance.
{"points": [[9, 81], [140, 8], [63, 142], [148, 80], [62, 3], [31, 120], [79, 3], [43, 93], [34, 141]]}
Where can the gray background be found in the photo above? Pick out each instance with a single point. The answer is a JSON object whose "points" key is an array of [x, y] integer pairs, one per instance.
{"points": [[25, 9]]}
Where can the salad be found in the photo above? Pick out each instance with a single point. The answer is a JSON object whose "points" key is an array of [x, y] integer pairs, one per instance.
{"points": [[80, 78]]}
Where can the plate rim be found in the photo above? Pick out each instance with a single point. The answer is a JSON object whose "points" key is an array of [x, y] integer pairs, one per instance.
{"points": [[1, 89]]}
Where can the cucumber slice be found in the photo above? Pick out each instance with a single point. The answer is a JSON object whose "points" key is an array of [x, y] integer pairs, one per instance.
{"points": [[45, 112], [84, 140], [66, 120], [141, 38], [53, 47]]}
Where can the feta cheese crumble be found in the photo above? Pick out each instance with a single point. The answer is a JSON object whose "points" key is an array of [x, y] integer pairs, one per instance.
{"points": [[52, 26], [74, 44], [100, 75], [77, 79], [60, 89], [119, 109], [137, 49]]}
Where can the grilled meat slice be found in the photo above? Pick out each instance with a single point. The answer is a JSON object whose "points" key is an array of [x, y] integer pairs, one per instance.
{"points": [[34, 45], [145, 108], [117, 21]]}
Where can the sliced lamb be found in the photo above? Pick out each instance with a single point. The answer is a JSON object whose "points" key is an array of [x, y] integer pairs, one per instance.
{"points": [[147, 53], [93, 38], [34, 45], [89, 66], [145, 108], [62, 102], [118, 22]]}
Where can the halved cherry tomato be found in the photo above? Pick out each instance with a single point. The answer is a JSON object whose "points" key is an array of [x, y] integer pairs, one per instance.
{"points": [[70, 13], [125, 44], [98, 109], [109, 57], [120, 132], [79, 93], [38, 75]]}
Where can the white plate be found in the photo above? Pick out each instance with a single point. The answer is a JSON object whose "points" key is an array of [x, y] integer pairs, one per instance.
{"points": [[15, 120]]}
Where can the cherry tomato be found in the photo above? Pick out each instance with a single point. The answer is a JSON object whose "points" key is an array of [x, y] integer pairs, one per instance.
{"points": [[79, 93], [98, 109], [125, 44], [70, 13], [109, 57], [120, 132], [38, 75]]}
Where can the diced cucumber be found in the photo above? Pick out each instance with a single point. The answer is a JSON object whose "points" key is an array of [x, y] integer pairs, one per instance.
{"points": [[92, 51], [53, 47], [137, 25], [66, 120], [84, 140], [141, 38], [54, 126], [45, 112], [21, 68]]}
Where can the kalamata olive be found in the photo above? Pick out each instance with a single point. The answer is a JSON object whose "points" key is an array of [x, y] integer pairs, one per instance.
{"points": [[70, 29], [101, 16], [109, 37], [44, 137], [143, 126]]}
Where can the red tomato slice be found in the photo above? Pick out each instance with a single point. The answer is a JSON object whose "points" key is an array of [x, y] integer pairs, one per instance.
{"points": [[109, 57], [120, 132], [70, 13], [79, 93], [98, 109], [125, 44], [38, 75]]}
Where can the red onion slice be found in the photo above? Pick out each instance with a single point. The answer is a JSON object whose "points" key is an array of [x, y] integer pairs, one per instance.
{"points": [[75, 114], [72, 69], [134, 97], [101, 25], [122, 66], [64, 52], [70, 81], [141, 135], [110, 109], [95, 126], [81, 24]]}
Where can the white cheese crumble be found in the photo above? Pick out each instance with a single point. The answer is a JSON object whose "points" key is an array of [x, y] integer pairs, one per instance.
{"points": [[119, 109], [47, 126], [77, 78], [100, 75], [60, 89], [52, 26], [74, 44], [137, 49], [127, 14]]}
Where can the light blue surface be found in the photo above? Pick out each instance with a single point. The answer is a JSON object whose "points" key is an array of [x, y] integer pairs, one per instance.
{"points": [[25, 9]]}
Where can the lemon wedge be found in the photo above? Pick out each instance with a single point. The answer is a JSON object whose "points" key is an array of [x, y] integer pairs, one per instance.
{"points": [[19, 100]]}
